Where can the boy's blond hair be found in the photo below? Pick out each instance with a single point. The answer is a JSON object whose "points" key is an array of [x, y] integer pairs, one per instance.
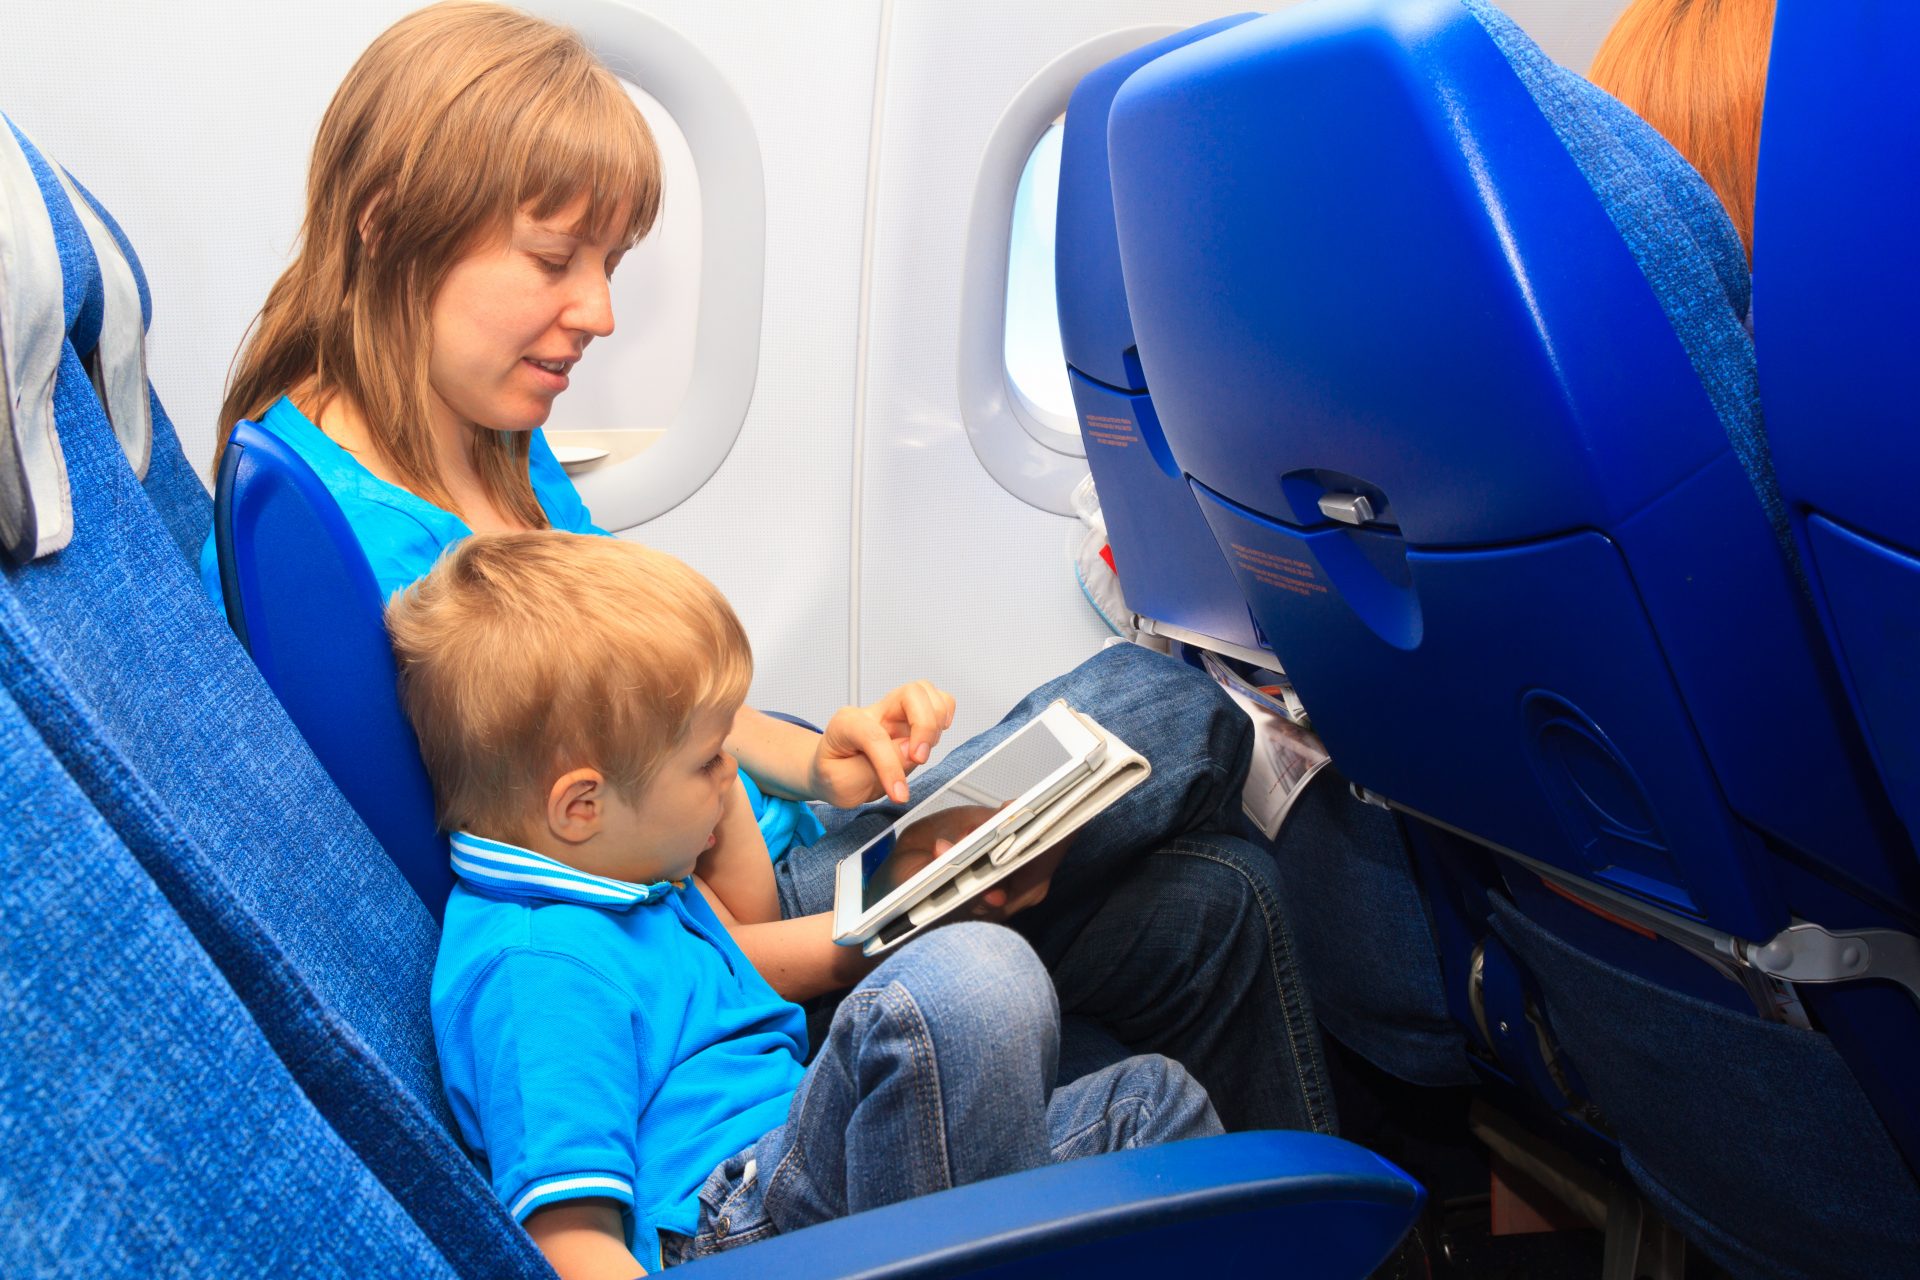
{"points": [[525, 655]]}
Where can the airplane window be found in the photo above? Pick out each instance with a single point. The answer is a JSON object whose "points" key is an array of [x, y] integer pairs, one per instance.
{"points": [[628, 393], [664, 396], [1036, 366], [1014, 396]]}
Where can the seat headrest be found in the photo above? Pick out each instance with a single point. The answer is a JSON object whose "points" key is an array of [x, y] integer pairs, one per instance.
{"points": [[1411, 255], [36, 510], [71, 278]]}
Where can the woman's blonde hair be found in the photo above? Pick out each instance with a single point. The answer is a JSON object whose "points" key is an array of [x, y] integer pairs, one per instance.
{"points": [[1696, 70], [455, 119], [525, 655]]}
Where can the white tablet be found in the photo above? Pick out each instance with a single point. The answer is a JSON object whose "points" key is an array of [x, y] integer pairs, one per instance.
{"points": [[978, 812]]}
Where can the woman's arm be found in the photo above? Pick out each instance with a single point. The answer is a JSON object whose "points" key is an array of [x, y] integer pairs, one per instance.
{"points": [[865, 753], [798, 958]]}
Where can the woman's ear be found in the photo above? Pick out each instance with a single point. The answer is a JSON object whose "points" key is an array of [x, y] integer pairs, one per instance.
{"points": [[364, 223], [576, 807]]}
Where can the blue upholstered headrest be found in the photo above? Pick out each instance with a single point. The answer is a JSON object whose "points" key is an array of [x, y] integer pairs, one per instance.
{"points": [[36, 307], [68, 277], [1678, 232]]}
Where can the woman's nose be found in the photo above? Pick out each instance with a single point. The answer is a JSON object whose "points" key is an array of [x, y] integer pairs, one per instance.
{"points": [[591, 309]]}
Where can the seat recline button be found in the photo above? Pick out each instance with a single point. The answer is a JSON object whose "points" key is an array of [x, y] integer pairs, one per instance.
{"points": [[1347, 508]]}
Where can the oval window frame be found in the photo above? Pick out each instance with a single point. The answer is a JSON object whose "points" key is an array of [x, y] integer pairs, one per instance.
{"points": [[645, 51], [1007, 443]]}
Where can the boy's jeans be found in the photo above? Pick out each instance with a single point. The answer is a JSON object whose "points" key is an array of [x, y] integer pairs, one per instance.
{"points": [[938, 1070], [1162, 933]]}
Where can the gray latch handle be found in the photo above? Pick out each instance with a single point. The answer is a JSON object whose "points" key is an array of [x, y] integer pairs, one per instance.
{"points": [[1347, 508]]}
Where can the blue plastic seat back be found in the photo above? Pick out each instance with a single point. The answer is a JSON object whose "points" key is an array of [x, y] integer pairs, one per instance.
{"points": [[1387, 254], [1834, 279], [129, 674], [1169, 567], [1453, 356], [302, 598], [149, 1128]]}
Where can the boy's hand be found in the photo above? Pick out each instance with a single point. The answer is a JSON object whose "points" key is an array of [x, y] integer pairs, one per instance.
{"points": [[867, 752]]}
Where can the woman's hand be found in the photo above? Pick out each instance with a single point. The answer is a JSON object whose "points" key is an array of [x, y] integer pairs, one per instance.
{"points": [[867, 752]]}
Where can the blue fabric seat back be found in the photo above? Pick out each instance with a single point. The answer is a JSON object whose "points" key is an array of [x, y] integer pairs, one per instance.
{"points": [[149, 1128], [1450, 347], [1413, 306], [1169, 566], [302, 598], [128, 672], [1834, 280]]}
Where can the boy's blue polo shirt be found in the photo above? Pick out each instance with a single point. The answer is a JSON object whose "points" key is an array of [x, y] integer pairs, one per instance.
{"points": [[600, 1038]]}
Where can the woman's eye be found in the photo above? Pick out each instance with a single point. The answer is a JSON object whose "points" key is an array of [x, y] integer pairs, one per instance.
{"points": [[552, 266]]}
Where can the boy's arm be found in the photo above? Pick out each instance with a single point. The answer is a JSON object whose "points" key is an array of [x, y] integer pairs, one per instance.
{"points": [[582, 1240], [738, 870], [865, 753], [798, 958]]}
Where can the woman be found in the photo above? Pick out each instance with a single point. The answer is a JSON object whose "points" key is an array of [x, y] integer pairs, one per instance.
{"points": [[1696, 70], [474, 183]]}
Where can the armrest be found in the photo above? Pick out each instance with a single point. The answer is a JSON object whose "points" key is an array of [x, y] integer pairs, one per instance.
{"points": [[1241, 1203]]}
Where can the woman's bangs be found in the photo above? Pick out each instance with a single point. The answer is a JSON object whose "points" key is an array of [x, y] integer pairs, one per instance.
{"points": [[597, 146]]}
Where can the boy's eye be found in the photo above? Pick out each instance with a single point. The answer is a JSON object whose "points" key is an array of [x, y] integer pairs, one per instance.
{"points": [[714, 763], [552, 266]]}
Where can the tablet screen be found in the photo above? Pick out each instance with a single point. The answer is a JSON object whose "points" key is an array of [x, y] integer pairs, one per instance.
{"points": [[1024, 761]]}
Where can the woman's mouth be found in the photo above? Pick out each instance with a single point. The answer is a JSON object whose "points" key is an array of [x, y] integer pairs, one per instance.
{"points": [[552, 373]]}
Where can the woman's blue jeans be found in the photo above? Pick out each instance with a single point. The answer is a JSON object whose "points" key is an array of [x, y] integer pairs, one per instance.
{"points": [[1162, 933], [938, 1070]]}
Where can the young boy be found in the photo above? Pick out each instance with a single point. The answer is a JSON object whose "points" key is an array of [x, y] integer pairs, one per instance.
{"points": [[633, 1085]]}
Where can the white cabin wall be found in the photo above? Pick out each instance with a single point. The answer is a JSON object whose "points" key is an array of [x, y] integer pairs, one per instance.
{"points": [[771, 527]]}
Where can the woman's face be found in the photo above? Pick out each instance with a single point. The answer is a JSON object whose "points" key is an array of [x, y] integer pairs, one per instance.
{"points": [[512, 319]]}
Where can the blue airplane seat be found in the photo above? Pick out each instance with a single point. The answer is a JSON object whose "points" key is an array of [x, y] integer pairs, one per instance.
{"points": [[319, 641], [1466, 397], [1169, 567], [113, 652], [1839, 185], [1345, 866], [149, 1128], [135, 689]]}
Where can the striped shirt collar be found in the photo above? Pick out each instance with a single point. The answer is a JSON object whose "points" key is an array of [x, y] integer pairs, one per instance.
{"points": [[508, 871]]}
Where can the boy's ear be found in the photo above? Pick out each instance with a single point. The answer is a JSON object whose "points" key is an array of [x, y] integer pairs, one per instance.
{"points": [[576, 805]]}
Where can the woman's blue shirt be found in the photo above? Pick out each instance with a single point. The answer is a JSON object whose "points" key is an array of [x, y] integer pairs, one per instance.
{"points": [[403, 534]]}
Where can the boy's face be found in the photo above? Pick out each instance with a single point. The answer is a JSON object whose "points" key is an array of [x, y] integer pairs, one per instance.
{"points": [[671, 823]]}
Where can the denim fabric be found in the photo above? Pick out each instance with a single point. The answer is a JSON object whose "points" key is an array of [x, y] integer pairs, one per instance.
{"points": [[1366, 944], [1655, 198], [938, 1070], [116, 656], [1750, 1136], [147, 1127], [1171, 934]]}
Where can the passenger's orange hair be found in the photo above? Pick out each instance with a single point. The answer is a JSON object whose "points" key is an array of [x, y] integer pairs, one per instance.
{"points": [[1696, 70]]}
